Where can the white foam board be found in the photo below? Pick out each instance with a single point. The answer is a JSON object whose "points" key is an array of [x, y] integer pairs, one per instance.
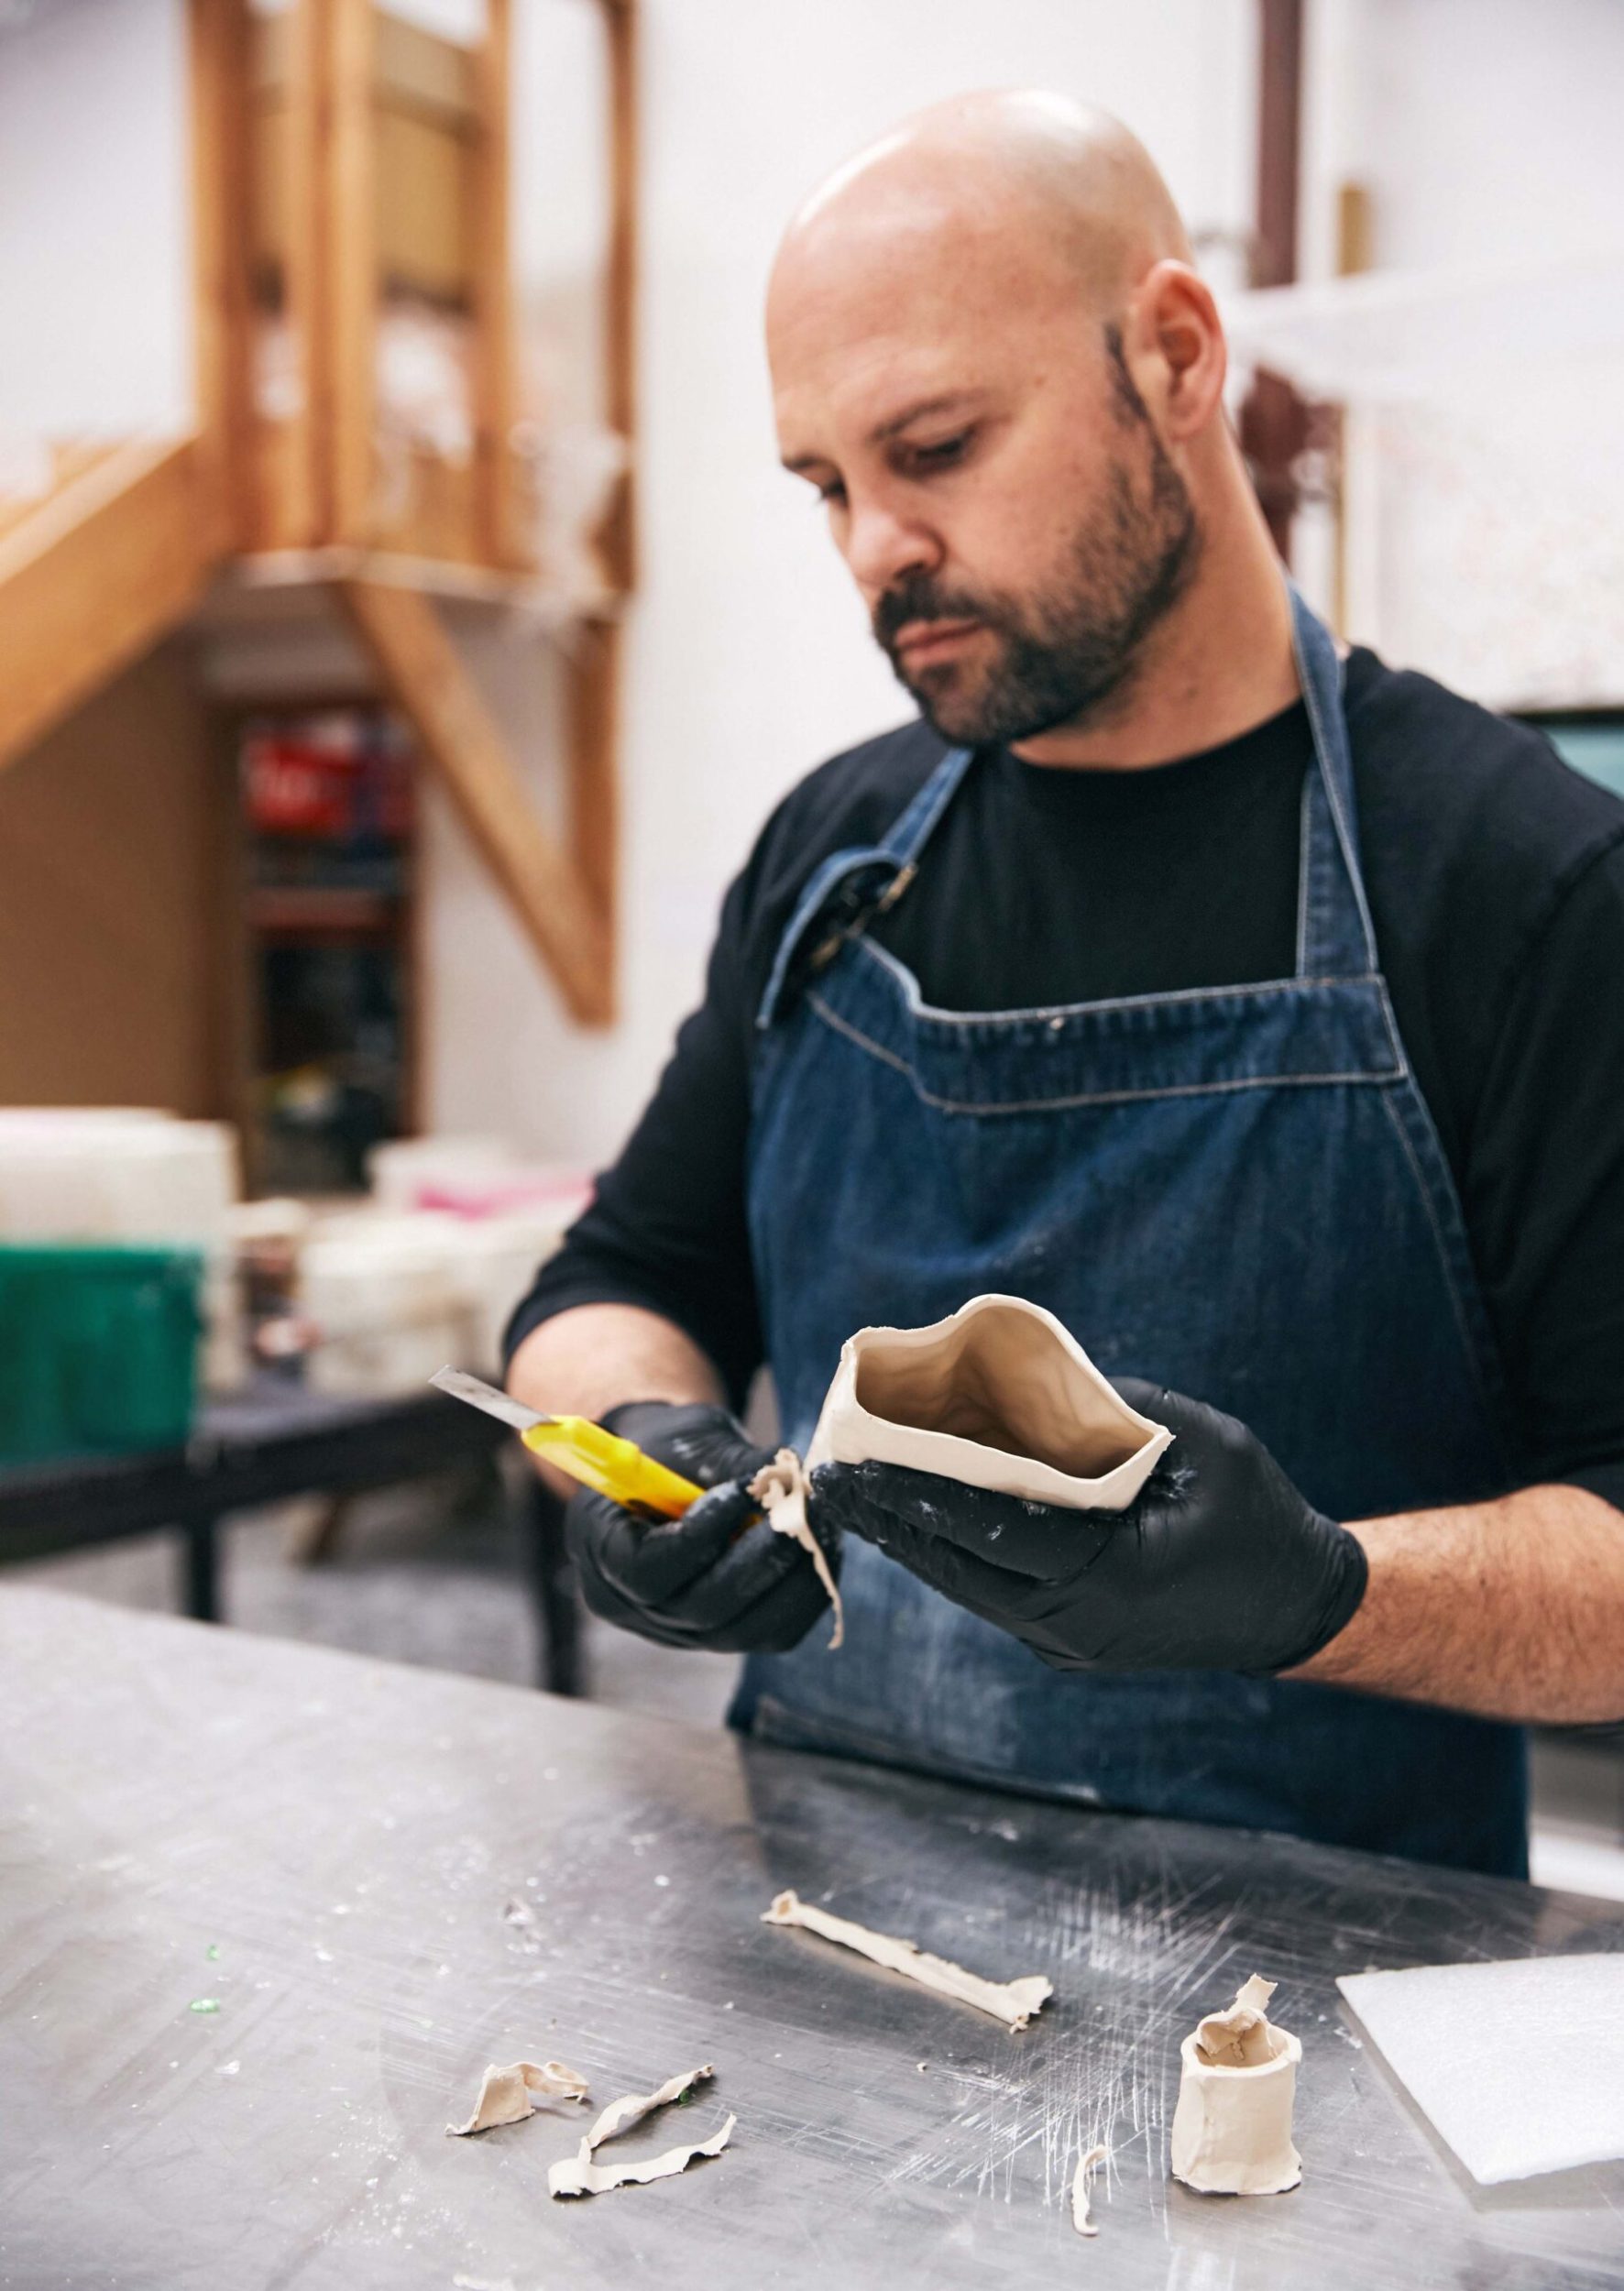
{"points": [[1519, 2067]]}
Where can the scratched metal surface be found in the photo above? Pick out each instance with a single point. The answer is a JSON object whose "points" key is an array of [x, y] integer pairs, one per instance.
{"points": [[347, 1836]]}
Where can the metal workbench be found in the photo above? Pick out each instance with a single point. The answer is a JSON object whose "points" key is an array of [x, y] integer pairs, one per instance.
{"points": [[330, 1852]]}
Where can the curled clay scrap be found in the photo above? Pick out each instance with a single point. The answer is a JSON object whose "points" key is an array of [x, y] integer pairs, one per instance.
{"points": [[780, 1487], [505, 2095], [1083, 2219], [1011, 2002], [1232, 2129], [579, 2175]]}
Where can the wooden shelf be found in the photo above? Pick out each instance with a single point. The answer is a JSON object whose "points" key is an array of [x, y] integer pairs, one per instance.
{"points": [[278, 572], [300, 911]]}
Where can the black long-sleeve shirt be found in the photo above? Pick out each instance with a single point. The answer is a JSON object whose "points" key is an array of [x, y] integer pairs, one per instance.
{"points": [[1496, 878]]}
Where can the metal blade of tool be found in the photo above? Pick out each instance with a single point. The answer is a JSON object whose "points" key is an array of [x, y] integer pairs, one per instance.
{"points": [[478, 1394]]}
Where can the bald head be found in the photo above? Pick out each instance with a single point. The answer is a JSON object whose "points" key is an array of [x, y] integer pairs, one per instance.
{"points": [[1030, 174]]}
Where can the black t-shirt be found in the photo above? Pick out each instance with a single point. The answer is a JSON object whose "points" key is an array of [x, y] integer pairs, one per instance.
{"points": [[1496, 879]]}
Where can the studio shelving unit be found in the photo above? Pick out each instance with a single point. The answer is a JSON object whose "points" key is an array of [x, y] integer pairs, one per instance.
{"points": [[350, 197]]}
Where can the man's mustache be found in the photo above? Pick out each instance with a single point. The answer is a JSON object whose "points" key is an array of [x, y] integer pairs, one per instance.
{"points": [[921, 598]]}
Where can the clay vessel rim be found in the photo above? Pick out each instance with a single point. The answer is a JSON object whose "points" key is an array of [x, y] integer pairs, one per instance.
{"points": [[1288, 2056]]}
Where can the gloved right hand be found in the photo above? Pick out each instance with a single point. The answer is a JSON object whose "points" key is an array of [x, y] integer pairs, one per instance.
{"points": [[707, 1580]]}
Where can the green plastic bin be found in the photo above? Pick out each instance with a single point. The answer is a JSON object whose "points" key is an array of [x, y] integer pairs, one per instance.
{"points": [[98, 1349]]}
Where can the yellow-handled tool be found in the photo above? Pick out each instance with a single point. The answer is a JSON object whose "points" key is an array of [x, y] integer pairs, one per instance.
{"points": [[615, 1467]]}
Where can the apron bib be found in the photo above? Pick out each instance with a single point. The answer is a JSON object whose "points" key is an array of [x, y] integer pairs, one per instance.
{"points": [[1237, 1192]]}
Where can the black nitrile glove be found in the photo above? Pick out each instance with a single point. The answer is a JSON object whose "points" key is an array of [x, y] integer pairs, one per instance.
{"points": [[706, 1580], [1218, 1564]]}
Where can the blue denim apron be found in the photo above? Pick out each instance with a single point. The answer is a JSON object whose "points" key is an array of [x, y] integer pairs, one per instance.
{"points": [[1237, 1191]]}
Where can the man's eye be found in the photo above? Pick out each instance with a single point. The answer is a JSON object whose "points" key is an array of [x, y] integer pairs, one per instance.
{"points": [[832, 493], [943, 452]]}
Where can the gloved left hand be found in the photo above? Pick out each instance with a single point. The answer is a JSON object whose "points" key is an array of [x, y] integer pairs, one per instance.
{"points": [[1218, 1564], [719, 1577]]}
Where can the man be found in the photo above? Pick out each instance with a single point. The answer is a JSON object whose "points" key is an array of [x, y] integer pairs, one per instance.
{"points": [[1252, 1010]]}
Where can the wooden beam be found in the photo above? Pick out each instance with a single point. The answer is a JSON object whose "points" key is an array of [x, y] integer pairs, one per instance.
{"points": [[422, 676], [592, 702], [230, 988], [301, 517], [1273, 421], [617, 534], [70, 459], [284, 260], [1280, 143], [498, 541], [218, 39], [349, 228], [1355, 229], [95, 577], [1356, 238]]}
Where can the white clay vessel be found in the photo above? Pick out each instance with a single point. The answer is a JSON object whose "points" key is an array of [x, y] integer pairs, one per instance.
{"points": [[1232, 2129], [999, 1395]]}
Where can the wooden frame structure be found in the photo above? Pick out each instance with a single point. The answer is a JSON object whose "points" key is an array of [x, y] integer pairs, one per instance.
{"points": [[347, 166], [1283, 434], [95, 575], [1273, 423]]}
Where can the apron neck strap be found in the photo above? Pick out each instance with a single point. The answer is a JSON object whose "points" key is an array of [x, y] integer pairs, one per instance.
{"points": [[872, 874], [1335, 937], [907, 837]]}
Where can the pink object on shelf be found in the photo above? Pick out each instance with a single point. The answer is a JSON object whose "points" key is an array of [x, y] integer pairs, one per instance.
{"points": [[502, 1193]]}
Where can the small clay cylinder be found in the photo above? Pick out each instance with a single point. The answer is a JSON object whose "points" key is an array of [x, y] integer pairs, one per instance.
{"points": [[1232, 2129]]}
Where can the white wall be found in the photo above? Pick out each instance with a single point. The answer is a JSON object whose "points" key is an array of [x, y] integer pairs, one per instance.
{"points": [[95, 279], [1487, 130], [1488, 541], [749, 658]]}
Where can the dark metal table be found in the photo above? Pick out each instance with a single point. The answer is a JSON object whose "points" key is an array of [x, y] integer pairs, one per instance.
{"points": [[328, 1850], [275, 1440]]}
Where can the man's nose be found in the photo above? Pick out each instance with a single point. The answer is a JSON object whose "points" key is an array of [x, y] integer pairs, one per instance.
{"points": [[883, 546]]}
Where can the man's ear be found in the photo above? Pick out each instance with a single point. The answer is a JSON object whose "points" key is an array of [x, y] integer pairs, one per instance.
{"points": [[1174, 347]]}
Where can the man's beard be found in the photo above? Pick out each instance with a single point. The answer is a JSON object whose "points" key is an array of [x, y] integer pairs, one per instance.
{"points": [[1060, 659]]}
